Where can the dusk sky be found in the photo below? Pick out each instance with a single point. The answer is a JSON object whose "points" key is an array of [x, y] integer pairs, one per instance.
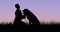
{"points": [[45, 10]]}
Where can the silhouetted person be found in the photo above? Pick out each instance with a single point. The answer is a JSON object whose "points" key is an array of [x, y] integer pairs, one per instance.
{"points": [[18, 14], [31, 17], [18, 24], [33, 21]]}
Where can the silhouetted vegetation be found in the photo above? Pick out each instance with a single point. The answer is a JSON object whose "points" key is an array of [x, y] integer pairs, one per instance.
{"points": [[33, 26]]}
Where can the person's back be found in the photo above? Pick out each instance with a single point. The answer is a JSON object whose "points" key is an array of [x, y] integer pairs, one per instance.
{"points": [[31, 17], [33, 21]]}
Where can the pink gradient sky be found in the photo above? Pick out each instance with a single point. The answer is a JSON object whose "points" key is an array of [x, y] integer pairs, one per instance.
{"points": [[43, 9]]}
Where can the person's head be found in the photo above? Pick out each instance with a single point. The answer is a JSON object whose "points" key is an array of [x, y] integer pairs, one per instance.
{"points": [[17, 6], [25, 11]]}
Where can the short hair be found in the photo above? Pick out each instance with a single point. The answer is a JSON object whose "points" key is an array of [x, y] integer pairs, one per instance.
{"points": [[17, 6]]}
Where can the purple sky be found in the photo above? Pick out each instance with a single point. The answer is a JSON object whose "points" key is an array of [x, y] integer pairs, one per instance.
{"points": [[43, 9]]}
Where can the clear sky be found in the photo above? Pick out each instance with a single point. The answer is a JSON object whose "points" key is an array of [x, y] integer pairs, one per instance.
{"points": [[43, 9]]}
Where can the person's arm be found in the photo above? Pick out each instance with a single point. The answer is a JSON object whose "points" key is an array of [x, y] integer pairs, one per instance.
{"points": [[23, 16]]}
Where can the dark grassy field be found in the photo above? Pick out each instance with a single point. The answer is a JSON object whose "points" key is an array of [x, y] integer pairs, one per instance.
{"points": [[42, 28]]}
